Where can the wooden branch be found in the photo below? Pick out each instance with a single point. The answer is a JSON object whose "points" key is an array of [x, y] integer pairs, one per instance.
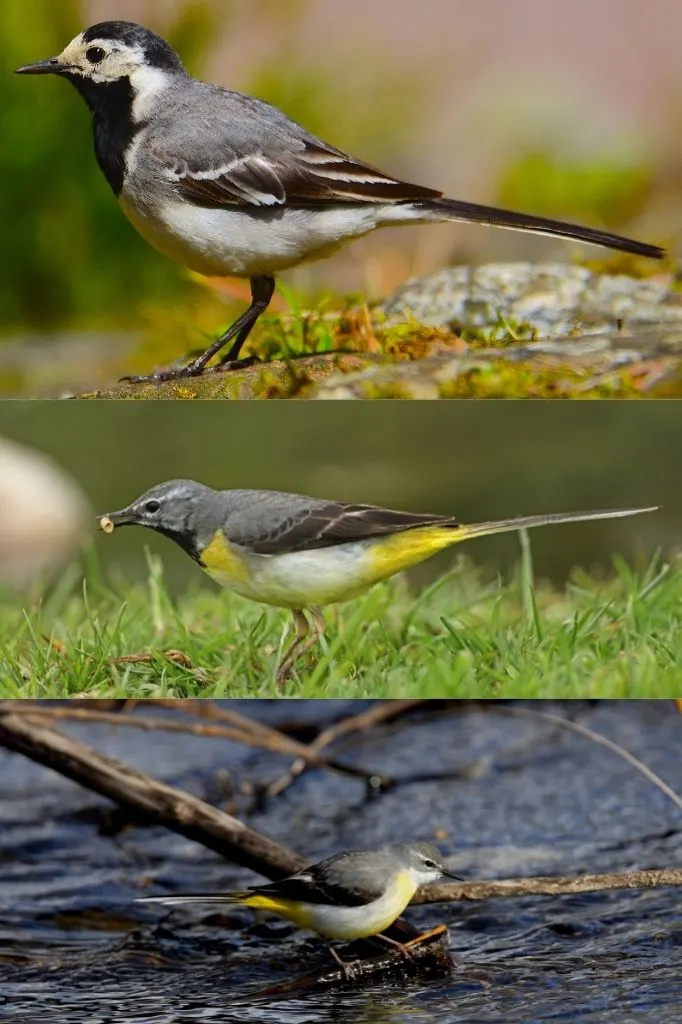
{"points": [[240, 729], [428, 956], [159, 803], [449, 892]]}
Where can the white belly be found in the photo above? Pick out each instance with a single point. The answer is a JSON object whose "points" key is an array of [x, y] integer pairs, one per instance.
{"points": [[304, 579], [243, 242]]}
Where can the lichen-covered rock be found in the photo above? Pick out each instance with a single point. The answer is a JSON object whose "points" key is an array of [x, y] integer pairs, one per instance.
{"points": [[554, 299], [502, 330]]}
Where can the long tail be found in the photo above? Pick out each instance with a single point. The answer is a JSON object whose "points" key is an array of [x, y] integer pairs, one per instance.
{"points": [[201, 897], [527, 522], [455, 209]]}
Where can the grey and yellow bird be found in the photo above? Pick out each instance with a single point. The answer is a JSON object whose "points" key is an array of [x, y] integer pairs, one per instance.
{"points": [[353, 895], [303, 553]]}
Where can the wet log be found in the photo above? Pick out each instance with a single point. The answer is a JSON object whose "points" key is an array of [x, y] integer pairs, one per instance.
{"points": [[142, 794]]}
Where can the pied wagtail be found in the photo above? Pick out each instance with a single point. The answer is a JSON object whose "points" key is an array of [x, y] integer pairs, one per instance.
{"points": [[228, 186]]}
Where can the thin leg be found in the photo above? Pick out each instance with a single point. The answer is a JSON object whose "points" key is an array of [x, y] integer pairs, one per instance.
{"points": [[262, 289], [347, 968], [403, 950], [314, 634], [302, 627]]}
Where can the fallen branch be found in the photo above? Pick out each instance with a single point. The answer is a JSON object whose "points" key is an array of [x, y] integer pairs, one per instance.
{"points": [[449, 892], [428, 956], [140, 793]]}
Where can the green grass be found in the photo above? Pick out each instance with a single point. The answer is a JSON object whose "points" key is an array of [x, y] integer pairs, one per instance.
{"points": [[463, 636]]}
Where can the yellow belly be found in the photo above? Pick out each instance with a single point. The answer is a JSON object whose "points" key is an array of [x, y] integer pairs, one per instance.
{"points": [[343, 923], [305, 579]]}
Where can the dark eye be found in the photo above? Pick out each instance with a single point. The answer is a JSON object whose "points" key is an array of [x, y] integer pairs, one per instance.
{"points": [[152, 506], [95, 54], [429, 864]]}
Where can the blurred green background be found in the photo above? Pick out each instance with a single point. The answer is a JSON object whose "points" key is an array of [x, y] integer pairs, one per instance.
{"points": [[476, 460], [489, 102]]}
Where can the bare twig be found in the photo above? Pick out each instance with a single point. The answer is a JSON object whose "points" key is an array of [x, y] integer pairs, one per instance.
{"points": [[449, 892], [243, 730], [596, 737], [382, 711]]}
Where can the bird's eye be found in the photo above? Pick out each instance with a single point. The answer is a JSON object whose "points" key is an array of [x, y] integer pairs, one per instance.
{"points": [[429, 864], [152, 506], [95, 54]]}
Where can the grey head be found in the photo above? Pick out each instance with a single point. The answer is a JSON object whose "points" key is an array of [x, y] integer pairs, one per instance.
{"points": [[422, 860], [184, 510]]}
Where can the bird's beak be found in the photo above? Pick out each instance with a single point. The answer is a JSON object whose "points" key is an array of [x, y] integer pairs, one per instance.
{"points": [[110, 520], [455, 878], [51, 66]]}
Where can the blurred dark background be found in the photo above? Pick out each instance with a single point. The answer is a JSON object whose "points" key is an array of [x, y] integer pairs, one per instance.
{"points": [[475, 460], [564, 109]]}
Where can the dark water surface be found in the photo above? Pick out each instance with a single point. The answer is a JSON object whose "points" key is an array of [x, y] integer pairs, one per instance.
{"points": [[506, 797]]}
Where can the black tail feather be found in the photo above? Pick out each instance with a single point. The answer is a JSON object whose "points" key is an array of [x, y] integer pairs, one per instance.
{"points": [[455, 209]]}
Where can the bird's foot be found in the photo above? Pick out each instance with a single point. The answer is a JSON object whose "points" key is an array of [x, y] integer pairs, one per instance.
{"points": [[194, 369], [237, 364], [182, 373], [347, 966]]}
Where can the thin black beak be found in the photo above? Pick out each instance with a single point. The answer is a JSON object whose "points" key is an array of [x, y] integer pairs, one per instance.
{"points": [[455, 878], [124, 517], [51, 66]]}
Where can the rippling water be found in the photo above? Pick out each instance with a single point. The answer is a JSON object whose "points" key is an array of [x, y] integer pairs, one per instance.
{"points": [[507, 796]]}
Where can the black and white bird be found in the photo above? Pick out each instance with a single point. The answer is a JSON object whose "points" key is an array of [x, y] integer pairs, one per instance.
{"points": [[227, 185]]}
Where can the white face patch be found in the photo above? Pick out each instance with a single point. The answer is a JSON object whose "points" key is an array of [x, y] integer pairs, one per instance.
{"points": [[119, 61], [148, 83]]}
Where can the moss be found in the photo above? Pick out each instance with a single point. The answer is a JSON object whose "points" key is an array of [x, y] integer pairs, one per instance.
{"points": [[517, 380], [279, 379]]}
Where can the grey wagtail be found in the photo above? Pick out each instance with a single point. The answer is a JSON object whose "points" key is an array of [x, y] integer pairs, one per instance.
{"points": [[227, 185], [353, 895], [302, 553]]}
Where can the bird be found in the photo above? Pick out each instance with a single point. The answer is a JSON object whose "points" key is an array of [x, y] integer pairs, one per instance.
{"points": [[302, 553], [227, 185], [353, 895]]}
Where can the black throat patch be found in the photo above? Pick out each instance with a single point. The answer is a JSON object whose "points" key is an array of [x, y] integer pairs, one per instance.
{"points": [[186, 539], [113, 126]]}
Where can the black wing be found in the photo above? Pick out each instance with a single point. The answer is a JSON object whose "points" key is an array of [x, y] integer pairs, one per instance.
{"points": [[278, 523]]}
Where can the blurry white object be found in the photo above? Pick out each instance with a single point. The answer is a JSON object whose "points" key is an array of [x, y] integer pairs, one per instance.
{"points": [[43, 516]]}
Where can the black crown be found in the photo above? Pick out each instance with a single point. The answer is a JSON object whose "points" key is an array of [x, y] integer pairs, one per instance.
{"points": [[157, 51]]}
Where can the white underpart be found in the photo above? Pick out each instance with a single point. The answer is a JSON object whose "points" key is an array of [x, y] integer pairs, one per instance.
{"points": [[247, 241], [303, 579]]}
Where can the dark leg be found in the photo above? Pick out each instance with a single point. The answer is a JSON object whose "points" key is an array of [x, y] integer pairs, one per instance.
{"points": [[262, 289]]}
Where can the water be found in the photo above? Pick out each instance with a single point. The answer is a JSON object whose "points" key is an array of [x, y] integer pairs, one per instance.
{"points": [[503, 796]]}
